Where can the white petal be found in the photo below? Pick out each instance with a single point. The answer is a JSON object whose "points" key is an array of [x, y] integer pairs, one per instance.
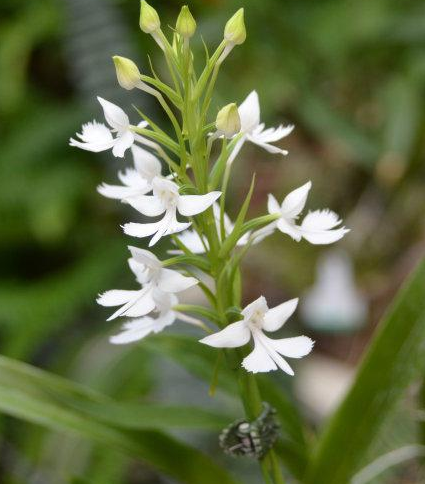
{"points": [[293, 347], [267, 343], [317, 227], [259, 360], [271, 135], [320, 220], [289, 228], [135, 330], [193, 204], [191, 240], [140, 305], [249, 112], [165, 223], [145, 257], [257, 306], [276, 317], [132, 178], [269, 148], [149, 205], [141, 230], [295, 201], [119, 192], [139, 270], [325, 237], [162, 185], [115, 297], [272, 205], [122, 143], [173, 281], [176, 226], [146, 163], [114, 115], [232, 336], [94, 137]]}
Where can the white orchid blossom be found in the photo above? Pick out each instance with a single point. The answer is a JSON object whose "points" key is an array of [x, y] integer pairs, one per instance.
{"points": [[137, 329], [166, 200], [97, 137], [267, 353], [197, 244], [254, 131], [318, 227], [153, 277], [136, 181]]}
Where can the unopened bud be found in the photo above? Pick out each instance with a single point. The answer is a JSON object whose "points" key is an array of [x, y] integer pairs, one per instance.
{"points": [[185, 24], [149, 19], [228, 121], [128, 74], [234, 31]]}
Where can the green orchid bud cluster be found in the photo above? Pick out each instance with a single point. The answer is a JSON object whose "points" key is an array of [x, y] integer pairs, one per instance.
{"points": [[187, 201]]}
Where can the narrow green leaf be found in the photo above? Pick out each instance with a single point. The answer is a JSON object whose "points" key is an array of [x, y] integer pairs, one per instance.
{"points": [[40, 398], [235, 235], [395, 357], [194, 260]]}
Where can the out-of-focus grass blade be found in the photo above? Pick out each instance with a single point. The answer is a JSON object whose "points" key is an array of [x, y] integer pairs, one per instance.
{"points": [[28, 393], [395, 357], [129, 415]]}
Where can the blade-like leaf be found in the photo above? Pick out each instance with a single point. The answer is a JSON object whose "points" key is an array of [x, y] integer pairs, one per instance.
{"points": [[395, 357], [35, 396]]}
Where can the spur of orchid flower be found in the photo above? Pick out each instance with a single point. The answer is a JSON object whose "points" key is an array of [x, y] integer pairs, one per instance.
{"points": [[318, 227], [166, 200], [254, 131], [152, 277], [135, 181], [268, 353]]}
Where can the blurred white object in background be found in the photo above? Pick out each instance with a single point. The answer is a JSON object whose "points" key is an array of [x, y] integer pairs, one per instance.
{"points": [[321, 384], [334, 303]]}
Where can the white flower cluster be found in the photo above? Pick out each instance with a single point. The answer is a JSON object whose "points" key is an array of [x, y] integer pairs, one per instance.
{"points": [[153, 195]]}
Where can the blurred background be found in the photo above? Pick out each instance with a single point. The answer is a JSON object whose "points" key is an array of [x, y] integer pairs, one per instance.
{"points": [[349, 74]]}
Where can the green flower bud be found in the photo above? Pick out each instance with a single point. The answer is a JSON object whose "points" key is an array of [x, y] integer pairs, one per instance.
{"points": [[149, 19], [185, 24], [234, 31], [228, 121], [128, 74]]}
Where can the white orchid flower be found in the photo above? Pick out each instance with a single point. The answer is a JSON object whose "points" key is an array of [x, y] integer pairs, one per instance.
{"points": [[317, 227], [253, 130], [166, 200], [197, 244], [98, 137], [152, 276], [137, 329], [267, 353], [136, 181]]}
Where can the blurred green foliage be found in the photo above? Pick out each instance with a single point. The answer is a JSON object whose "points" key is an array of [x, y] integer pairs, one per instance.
{"points": [[349, 74]]}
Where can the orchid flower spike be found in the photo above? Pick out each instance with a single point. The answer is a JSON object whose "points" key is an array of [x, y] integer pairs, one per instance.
{"points": [[98, 137], [253, 130], [317, 227], [137, 329], [267, 353], [136, 181], [152, 276], [166, 200]]}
